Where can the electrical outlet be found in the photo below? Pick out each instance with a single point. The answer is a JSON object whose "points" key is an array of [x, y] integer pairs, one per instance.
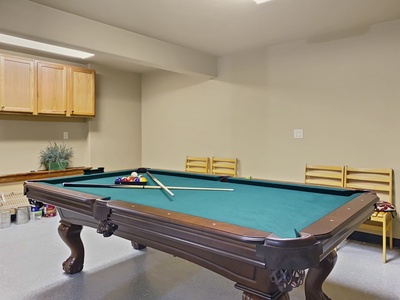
{"points": [[65, 135], [298, 133]]}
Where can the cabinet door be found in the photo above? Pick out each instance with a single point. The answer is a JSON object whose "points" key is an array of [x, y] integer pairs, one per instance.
{"points": [[81, 96], [52, 88], [17, 84]]}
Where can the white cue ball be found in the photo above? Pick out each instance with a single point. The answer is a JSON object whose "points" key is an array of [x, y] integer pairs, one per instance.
{"points": [[134, 174]]}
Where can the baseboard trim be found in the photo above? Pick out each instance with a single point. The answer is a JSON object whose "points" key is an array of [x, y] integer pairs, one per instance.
{"points": [[372, 238]]}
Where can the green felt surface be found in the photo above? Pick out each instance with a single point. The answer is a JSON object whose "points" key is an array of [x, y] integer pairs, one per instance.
{"points": [[268, 206]]}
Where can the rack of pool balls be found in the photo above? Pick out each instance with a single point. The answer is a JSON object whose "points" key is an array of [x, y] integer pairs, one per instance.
{"points": [[134, 179]]}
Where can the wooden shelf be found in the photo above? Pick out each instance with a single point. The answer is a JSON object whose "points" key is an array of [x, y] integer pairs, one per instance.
{"points": [[42, 174]]}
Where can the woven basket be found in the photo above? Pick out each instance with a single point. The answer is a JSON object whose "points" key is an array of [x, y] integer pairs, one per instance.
{"points": [[13, 200]]}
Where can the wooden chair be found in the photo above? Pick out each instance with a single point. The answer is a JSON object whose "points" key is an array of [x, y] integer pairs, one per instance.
{"points": [[379, 181], [197, 164], [324, 175], [224, 166]]}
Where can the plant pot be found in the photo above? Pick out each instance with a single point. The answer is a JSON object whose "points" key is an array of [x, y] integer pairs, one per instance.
{"points": [[57, 166]]}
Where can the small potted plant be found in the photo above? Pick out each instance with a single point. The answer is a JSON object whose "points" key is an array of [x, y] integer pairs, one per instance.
{"points": [[56, 156]]}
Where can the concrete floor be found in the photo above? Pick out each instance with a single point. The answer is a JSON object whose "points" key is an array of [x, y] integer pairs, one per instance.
{"points": [[31, 255]]}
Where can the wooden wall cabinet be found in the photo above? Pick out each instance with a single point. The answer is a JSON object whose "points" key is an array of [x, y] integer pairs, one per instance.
{"points": [[81, 92], [44, 88], [52, 88], [17, 85]]}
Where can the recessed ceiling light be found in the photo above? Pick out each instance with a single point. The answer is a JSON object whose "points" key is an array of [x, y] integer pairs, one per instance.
{"points": [[12, 40], [261, 1]]}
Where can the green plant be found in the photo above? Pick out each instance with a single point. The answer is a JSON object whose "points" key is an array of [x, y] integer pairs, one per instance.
{"points": [[59, 154]]}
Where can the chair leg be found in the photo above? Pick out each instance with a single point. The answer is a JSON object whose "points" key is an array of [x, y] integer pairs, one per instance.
{"points": [[391, 234], [384, 230]]}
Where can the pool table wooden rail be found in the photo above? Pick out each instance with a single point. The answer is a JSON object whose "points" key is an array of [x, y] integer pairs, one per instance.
{"points": [[77, 201], [232, 258]]}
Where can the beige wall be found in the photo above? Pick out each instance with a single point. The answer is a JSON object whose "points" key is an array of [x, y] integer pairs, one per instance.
{"points": [[21, 141], [344, 94], [115, 140]]}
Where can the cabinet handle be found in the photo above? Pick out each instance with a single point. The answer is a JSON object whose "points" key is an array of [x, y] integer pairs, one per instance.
{"points": [[3, 107]]}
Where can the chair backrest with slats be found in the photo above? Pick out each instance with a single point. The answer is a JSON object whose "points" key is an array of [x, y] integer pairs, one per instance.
{"points": [[224, 166], [197, 164], [379, 181], [324, 175]]}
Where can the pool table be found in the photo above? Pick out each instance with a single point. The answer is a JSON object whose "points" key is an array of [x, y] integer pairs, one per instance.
{"points": [[261, 234]]}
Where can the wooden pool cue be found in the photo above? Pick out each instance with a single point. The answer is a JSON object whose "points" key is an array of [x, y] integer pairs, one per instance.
{"points": [[160, 184], [128, 186]]}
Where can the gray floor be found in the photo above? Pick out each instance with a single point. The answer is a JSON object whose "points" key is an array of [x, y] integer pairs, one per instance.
{"points": [[31, 256]]}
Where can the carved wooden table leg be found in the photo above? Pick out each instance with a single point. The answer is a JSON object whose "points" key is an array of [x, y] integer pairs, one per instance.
{"points": [[70, 234], [316, 277]]}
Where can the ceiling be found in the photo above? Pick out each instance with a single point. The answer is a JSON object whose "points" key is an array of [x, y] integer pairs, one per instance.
{"points": [[222, 27]]}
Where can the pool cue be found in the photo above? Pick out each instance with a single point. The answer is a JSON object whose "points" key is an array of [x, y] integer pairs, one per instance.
{"points": [[160, 184], [127, 186]]}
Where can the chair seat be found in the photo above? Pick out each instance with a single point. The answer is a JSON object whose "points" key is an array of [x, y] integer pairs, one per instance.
{"points": [[381, 216]]}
